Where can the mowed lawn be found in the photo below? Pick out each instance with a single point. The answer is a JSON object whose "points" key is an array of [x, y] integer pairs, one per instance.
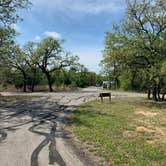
{"points": [[127, 131]]}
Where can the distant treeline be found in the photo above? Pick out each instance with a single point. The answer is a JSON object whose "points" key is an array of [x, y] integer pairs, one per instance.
{"points": [[62, 79]]}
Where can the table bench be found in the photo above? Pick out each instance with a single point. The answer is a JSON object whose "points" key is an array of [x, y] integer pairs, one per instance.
{"points": [[105, 94]]}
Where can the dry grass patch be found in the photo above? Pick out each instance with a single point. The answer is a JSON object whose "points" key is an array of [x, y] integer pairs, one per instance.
{"points": [[153, 123], [143, 129], [160, 135], [129, 134], [147, 113]]}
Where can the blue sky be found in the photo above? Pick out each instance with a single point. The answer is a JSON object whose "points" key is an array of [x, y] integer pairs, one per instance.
{"points": [[81, 23]]}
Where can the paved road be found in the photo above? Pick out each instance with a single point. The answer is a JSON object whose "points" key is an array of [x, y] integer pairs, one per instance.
{"points": [[31, 132]]}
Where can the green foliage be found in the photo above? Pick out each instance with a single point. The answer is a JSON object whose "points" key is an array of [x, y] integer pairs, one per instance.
{"points": [[45, 63], [18, 80], [137, 47], [50, 56], [8, 10], [10, 54], [125, 80], [76, 78]]}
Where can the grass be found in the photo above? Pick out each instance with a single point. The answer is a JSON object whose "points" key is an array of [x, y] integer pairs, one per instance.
{"points": [[127, 131]]}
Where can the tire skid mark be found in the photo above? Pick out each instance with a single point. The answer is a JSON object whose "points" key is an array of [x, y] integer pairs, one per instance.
{"points": [[3, 135], [40, 118], [35, 154], [15, 126], [54, 156], [16, 114]]}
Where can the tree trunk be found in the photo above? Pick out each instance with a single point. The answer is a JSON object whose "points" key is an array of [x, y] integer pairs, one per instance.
{"points": [[33, 80], [132, 80], [24, 82], [163, 96], [32, 87], [154, 93], [149, 93], [49, 81], [116, 82], [158, 92]]}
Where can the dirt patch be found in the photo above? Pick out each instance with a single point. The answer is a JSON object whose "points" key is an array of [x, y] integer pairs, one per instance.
{"points": [[150, 141], [144, 129], [128, 133], [147, 113], [160, 134]]}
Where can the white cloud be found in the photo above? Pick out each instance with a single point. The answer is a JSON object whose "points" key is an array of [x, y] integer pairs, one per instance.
{"points": [[54, 35], [37, 37], [71, 7]]}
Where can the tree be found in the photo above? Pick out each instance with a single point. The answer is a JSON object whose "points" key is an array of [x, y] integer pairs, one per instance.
{"points": [[17, 61], [50, 57], [113, 56], [138, 46], [8, 16], [6, 42], [146, 22], [8, 10], [29, 50]]}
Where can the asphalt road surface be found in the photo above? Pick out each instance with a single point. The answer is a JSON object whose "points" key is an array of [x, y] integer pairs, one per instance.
{"points": [[32, 134]]}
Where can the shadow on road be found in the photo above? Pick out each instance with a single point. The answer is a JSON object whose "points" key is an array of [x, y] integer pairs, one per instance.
{"points": [[43, 115]]}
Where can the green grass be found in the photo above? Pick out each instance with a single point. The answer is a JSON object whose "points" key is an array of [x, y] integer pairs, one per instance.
{"points": [[127, 131]]}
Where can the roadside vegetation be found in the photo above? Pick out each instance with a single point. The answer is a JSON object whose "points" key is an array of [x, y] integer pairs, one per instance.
{"points": [[134, 57], [127, 131]]}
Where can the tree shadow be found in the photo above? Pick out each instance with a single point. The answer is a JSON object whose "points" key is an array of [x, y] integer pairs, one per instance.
{"points": [[44, 116], [151, 104]]}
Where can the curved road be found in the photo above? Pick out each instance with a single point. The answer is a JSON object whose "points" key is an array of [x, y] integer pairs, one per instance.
{"points": [[31, 132]]}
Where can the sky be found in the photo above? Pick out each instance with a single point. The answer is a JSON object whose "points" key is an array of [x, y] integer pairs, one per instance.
{"points": [[81, 23]]}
